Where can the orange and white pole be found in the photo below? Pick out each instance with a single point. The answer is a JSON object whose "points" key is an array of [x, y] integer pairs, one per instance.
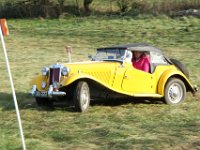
{"points": [[4, 27], [4, 32]]}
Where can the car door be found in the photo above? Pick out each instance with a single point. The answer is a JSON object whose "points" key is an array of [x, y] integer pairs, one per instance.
{"points": [[138, 81]]}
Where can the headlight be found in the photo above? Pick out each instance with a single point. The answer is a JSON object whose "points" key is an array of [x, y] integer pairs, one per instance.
{"points": [[45, 71], [43, 84], [65, 71]]}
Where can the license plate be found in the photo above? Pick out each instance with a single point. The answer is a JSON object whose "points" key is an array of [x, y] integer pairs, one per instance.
{"points": [[41, 94]]}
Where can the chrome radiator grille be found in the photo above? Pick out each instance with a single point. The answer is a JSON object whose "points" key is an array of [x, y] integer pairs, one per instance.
{"points": [[54, 75]]}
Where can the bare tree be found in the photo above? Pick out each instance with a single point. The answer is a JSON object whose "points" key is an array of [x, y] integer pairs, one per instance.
{"points": [[43, 2], [61, 6], [86, 4], [123, 5]]}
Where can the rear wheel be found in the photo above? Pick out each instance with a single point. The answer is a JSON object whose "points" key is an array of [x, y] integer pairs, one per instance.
{"points": [[81, 96], [175, 91], [43, 102]]}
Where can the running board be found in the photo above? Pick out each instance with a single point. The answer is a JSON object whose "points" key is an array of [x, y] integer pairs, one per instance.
{"points": [[147, 95]]}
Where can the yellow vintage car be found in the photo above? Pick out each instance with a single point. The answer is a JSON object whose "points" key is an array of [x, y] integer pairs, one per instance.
{"points": [[110, 74]]}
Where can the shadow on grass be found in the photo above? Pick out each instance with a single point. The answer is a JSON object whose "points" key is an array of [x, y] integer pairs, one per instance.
{"points": [[122, 101], [26, 101]]}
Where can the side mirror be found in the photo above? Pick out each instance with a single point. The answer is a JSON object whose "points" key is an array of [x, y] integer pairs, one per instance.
{"points": [[90, 56]]}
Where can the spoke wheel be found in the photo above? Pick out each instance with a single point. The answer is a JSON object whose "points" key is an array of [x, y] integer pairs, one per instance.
{"points": [[175, 91], [81, 96]]}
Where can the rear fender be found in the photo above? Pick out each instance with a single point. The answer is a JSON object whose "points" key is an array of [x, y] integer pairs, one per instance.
{"points": [[172, 73]]}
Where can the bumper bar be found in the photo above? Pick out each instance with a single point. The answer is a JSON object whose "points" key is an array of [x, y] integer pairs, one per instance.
{"points": [[49, 93]]}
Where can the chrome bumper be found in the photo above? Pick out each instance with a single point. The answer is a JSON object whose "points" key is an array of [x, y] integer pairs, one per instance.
{"points": [[48, 94], [196, 88]]}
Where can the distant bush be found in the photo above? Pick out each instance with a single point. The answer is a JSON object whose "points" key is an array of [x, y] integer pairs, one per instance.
{"points": [[28, 8], [168, 6], [136, 7], [56, 8], [123, 5]]}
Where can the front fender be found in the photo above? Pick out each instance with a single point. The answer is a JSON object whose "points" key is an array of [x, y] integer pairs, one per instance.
{"points": [[38, 80], [172, 73], [74, 77]]}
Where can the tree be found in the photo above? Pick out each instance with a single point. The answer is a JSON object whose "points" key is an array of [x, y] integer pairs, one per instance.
{"points": [[86, 4], [61, 6], [123, 5], [43, 2]]}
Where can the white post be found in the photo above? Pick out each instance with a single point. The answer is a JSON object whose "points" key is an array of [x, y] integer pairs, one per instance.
{"points": [[68, 50], [13, 90]]}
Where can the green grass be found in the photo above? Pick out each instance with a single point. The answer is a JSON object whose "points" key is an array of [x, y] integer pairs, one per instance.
{"points": [[128, 124]]}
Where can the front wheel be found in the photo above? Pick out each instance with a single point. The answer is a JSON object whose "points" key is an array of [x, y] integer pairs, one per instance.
{"points": [[81, 96], [175, 91]]}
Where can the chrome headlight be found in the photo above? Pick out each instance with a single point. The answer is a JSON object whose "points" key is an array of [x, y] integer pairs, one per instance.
{"points": [[43, 84], [65, 71], [45, 71]]}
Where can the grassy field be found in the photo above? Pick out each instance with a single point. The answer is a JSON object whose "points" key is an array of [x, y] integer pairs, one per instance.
{"points": [[127, 124]]}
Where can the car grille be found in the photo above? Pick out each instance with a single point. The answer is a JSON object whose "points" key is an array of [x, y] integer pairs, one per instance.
{"points": [[54, 75]]}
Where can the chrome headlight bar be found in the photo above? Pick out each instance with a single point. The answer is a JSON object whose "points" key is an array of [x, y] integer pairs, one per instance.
{"points": [[65, 71], [45, 71]]}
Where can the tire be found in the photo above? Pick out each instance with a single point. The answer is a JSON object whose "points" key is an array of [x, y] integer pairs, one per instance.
{"points": [[175, 91], [81, 96], [181, 67], [43, 102]]}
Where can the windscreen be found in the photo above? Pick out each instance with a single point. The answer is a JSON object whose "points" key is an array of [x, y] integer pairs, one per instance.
{"points": [[109, 54]]}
